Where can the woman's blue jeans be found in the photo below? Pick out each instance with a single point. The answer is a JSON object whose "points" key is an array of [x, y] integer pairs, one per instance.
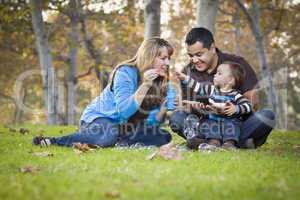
{"points": [[105, 133]]}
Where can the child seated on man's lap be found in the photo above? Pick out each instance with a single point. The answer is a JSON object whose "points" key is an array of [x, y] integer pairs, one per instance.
{"points": [[221, 128]]}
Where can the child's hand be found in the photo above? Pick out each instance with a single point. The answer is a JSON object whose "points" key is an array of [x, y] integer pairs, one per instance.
{"points": [[181, 76], [229, 109]]}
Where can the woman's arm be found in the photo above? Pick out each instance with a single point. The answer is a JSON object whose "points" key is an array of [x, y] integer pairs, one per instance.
{"points": [[148, 78], [157, 116], [128, 99]]}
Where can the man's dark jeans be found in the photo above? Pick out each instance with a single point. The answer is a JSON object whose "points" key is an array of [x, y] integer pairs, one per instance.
{"points": [[257, 126]]}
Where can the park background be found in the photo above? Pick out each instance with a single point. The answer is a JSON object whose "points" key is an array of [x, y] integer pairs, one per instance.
{"points": [[55, 57]]}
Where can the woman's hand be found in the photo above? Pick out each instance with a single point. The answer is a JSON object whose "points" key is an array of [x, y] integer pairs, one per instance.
{"points": [[150, 75]]}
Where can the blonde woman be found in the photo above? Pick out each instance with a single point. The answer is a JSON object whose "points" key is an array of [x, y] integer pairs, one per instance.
{"points": [[131, 108]]}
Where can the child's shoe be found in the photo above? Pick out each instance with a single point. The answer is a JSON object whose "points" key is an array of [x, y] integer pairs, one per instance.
{"points": [[229, 145], [249, 144], [194, 142], [211, 145]]}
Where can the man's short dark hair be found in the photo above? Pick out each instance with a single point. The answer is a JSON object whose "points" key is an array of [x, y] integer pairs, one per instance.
{"points": [[200, 34]]}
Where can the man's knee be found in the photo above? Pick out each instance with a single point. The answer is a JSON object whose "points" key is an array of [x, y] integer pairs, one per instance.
{"points": [[267, 116], [176, 120]]}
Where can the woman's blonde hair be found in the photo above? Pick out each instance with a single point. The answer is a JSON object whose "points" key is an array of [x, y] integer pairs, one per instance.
{"points": [[142, 61], [145, 56]]}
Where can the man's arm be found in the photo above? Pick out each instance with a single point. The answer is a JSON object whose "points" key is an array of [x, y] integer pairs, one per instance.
{"points": [[199, 88], [251, 95]]}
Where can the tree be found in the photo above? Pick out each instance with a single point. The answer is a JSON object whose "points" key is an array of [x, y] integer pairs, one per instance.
{"points": [[206, 13], [48, 72], [254, 23], [72, 80], [152, 18]]}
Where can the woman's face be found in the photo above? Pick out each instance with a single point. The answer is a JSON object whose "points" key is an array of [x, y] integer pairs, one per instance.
{"points": [[162, 61]]}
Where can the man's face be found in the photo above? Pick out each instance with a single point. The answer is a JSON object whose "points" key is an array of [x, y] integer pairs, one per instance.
{"points": [[200, 57]]}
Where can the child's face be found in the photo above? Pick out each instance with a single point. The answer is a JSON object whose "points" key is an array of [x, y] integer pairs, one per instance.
{"points": [[223, 77]]}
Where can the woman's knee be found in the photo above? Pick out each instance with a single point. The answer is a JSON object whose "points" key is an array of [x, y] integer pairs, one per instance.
{"points": [[107, 139], [104, 133]]}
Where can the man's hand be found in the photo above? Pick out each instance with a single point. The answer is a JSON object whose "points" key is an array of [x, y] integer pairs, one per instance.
{"points": [[251, 95], [196, 106], [229, 109]]}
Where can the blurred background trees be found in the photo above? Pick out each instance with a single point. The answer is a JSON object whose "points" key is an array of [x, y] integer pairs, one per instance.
{"points": [[75, 44]]}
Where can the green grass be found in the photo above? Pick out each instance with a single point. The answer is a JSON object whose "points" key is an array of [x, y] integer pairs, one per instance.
{"points": [[271, 172]]}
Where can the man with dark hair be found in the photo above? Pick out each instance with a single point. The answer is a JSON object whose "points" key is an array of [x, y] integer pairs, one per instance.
{"points": [[204, 59]]}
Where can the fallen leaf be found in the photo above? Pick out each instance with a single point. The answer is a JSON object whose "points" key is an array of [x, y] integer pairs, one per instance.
{"points": [[42, 154], [24, 131], [83, 148], [112, 194], [151, 156], [167, 152], [29, 169]]}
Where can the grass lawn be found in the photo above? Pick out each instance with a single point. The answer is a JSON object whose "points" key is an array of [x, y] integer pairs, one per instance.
{"points": [[271, 172]]}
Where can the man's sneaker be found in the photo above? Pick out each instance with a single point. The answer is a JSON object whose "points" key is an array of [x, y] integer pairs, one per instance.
{"points": [[194, 142], [229, 145], [41, 141]]}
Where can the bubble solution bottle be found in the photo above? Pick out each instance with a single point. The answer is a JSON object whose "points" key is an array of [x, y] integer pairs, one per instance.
{"points": [[171, 96]]}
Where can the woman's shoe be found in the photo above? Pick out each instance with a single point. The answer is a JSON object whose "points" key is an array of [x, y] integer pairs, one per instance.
{"points": [[41, 141]]}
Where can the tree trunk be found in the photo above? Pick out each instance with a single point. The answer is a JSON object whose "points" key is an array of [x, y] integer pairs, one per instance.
{"points": [[260, 51], [18, 111], [94, 53], [74, 39], [206, 13], [237, 31], [48, 73], [152, 18]]}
